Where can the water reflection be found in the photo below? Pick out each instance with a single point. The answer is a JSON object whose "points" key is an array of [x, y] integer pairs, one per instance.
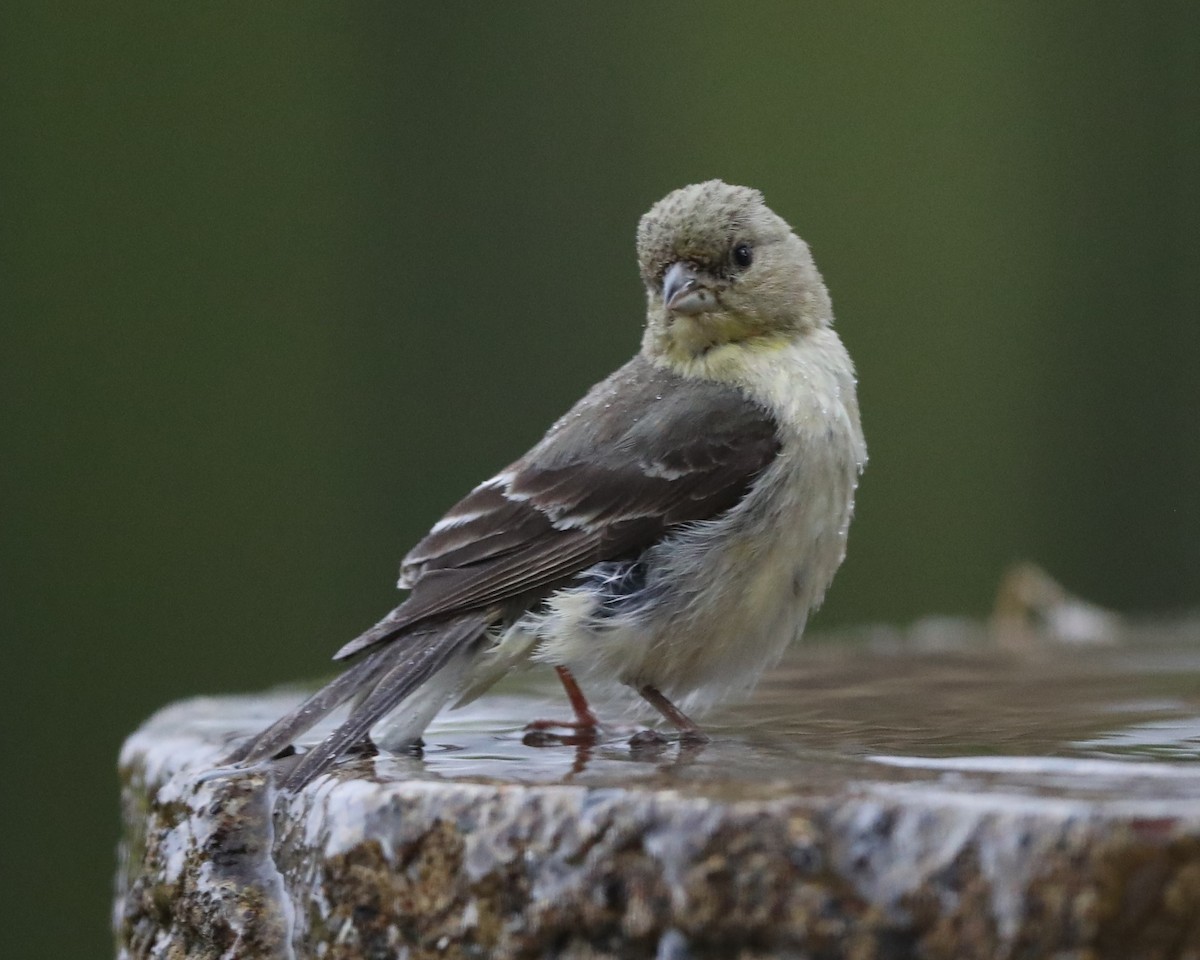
{"points": [[839, 712], [857, 710]]}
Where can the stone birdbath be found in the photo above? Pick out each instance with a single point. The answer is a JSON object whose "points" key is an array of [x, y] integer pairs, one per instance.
{"points": [[954, 790]]}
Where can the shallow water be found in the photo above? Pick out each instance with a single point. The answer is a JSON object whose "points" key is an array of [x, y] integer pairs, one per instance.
{"points": [[1122, 720]]}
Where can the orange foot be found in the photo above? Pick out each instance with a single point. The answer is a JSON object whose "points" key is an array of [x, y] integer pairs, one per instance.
{"points": [[585, 725]]}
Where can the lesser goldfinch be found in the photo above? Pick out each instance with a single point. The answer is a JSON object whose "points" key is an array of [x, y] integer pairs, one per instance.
{"points": [[671, 532]]}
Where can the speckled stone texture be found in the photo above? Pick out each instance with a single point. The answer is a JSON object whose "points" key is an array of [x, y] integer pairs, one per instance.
{"points": [[735, 852]]}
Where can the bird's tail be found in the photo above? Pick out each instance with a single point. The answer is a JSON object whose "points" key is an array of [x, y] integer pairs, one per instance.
{"points": [[381, 681], [312, 711]]}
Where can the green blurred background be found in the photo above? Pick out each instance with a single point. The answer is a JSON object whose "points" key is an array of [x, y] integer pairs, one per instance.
{"points": [[280, 281]]}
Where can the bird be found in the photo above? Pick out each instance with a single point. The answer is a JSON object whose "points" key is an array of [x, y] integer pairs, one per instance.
{"points": [[670, 534]]}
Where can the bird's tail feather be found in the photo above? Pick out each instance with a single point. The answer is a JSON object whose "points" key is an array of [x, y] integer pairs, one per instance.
{"points": [[408, 664], [287, 728], [399, 730], [385, 629]]}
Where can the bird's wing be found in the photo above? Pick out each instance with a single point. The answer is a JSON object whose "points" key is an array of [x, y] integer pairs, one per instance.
{"points": [[645, 450]]}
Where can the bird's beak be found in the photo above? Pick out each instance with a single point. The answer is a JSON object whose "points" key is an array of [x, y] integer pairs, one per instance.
{"points": [[684, 292]]}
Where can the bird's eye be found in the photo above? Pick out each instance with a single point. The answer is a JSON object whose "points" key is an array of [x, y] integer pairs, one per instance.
{"points": [[743, 256]]}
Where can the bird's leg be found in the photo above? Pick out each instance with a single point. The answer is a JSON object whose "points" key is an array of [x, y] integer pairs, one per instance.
{"points": [[686, 726], [579, 705], [585, 721]]}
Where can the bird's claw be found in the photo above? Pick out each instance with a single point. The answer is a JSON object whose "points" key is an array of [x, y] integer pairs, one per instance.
{"points": [[538, 733], [648, 738]]}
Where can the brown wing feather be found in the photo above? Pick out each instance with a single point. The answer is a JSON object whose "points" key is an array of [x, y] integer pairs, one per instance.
{"points": [[642, 452]]}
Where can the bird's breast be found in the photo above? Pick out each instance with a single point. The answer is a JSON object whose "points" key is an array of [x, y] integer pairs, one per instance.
{"points": [[704, 611]]}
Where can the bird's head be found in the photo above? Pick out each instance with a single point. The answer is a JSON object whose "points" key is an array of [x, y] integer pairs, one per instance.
{"points": [[721, 268]]}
